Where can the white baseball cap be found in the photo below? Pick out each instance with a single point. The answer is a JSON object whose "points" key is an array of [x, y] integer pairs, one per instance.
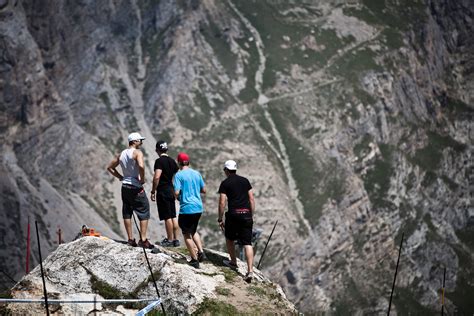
{"points": [[135, 136], [230, 165]]}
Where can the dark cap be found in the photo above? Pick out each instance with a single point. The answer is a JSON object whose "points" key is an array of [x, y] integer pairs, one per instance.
{"points": [[162, 145]]}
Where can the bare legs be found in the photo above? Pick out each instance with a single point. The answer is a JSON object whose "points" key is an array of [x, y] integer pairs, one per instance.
{"points": [[128, 228], [193, 243], [248, 254], [172, 228], [249, 257], [231, 250], [143, 229]]}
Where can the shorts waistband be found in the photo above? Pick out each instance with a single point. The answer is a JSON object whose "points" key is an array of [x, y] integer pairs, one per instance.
{"points": [[129, 186], [240, 211]]}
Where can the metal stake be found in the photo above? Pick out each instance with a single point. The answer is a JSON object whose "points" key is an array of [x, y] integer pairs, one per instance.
{"points": [[395, 277], [149, 266], [264, 249], [42, 273]]}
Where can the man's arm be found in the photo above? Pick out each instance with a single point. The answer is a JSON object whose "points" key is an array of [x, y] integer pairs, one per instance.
{"points": [[156, 180], [111, 168], [252, 201], [141, 165], [222, 200]]}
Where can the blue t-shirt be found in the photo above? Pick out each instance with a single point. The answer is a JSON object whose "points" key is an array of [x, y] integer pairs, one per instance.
{"points": [[189, 182]]}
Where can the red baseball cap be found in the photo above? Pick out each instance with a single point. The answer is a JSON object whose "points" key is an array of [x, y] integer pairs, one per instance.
{"points": [[182, 157]]}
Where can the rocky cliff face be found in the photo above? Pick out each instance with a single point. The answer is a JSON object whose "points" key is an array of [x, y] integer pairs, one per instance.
{"points": [[98, 269], [352, 119]]}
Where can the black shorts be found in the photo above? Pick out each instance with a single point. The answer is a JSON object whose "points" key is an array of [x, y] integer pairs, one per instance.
{"points": [[239, 227], [189, 222], [165, 201], [134, 199]]}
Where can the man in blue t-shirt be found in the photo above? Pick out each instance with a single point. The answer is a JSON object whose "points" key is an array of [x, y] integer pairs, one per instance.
{"points": [[188, 186]]}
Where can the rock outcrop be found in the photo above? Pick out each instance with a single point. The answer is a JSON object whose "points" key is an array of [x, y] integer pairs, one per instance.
{"points": [[99, 268]]}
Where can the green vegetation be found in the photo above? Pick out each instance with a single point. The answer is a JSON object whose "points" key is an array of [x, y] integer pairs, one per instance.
{"points": [[377, 179], [266, 17], [466, 235], [362, 148], [3, 308], [250, 68], [462, 294], [458, 109], [223, 291], [352, 64], [407, 303], [256, 290], [312, 194], [215, 37], [453, 186], [215, 307], [192, 119], [109, 292], [394, 14], [105, 290], [350, 300], [216, 260], [429, 157]]}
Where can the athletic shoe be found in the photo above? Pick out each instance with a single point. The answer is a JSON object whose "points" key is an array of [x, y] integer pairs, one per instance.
{"points": [[132, 242], [201, 256], [194, 263], [146, 244], [248, 277], [166, 243], [176, 243], [229, 264]]}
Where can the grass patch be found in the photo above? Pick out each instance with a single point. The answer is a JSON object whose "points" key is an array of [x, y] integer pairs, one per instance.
{"points": [[457, 108], [223, 291], [407, 303], [256, 290], [377, 179], [104, 289], [272, 25], [400, 14], [109, 292], [462, 295], [429, 157], [466, 235], [216, 260], [312, 194], [215, 307], [453, 186], [250, 68], [355, 63], [181, 250], [220, 45], [362, 148], [193, 119]]}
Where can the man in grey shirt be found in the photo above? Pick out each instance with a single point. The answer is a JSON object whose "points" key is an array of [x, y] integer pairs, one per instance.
{"points": [[133, 193]]}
